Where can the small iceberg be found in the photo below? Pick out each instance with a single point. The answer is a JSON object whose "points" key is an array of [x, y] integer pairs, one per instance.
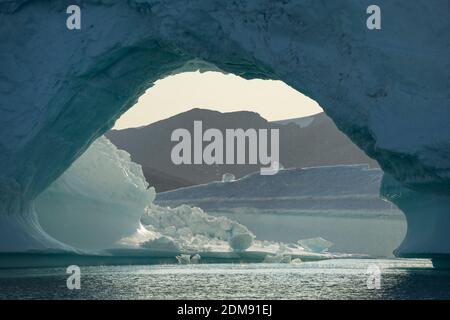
{"points": [[184, 258], [196, 258], [188, 259], [318, 244], [228, 177]]}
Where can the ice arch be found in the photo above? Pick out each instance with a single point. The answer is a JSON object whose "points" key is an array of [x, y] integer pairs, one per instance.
{"points": [[388, 90]]}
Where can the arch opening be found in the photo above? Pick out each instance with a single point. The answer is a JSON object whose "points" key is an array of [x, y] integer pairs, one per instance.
{"points": [[394, 108], [304, 142]]}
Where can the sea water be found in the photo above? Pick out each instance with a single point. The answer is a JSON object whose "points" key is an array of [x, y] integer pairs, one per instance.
{"points": [[331, 279]]}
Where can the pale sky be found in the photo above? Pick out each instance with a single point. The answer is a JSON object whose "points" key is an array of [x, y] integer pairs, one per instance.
{"points": [[273, 100]]}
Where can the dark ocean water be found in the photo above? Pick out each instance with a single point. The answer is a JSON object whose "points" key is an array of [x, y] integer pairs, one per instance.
{"points": [[332, 279]]}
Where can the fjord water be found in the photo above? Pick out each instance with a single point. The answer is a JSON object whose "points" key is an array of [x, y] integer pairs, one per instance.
{"points": [[332, 279]]}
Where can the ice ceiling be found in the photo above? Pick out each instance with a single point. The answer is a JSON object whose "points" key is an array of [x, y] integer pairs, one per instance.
{"points": [[388, 90]]}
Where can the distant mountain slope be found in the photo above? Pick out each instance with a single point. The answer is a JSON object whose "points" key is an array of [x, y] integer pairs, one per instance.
{"points": [[318, 143], [313, 141], [163, 181]]}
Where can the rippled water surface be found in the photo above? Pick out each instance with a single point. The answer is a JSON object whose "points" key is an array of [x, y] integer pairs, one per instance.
{"points": [[333, 279]]}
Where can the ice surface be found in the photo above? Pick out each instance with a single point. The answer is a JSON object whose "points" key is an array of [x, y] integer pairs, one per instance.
{"points": [[334, 187], [23, 233], [61, 89], [315, 244], [339, 203], [97, 201], [184, 259], [103, 201], [196, 258], [227, 177], [241, 241], [188, 259], [161, 243], [192, 229]]}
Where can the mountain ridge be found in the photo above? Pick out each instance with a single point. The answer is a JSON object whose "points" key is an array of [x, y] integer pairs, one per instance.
{"points": [[318, 143]]}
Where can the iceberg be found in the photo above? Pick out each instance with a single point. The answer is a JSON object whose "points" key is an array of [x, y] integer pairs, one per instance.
{"points": [[188, 259], [61, 89], [184, 259], [192, 229], [196, 258], [339, 203], [241, 241], [228, 177], [103, 201], [318, 244], [102, 204], [98, 201], [161, 243], [425, 238], [344, 187]]}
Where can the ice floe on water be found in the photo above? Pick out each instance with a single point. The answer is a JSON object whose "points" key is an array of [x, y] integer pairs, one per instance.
{"points": [[102, 202], [191, 228], [188, 259], [338, 203], [318, 244], [228, 177]]}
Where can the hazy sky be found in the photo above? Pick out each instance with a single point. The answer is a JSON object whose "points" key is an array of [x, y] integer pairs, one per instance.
{"points": [[273, 100]]}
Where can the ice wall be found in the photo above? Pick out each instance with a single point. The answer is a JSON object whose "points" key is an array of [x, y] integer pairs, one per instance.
{"points": [[98, 201], [388, 90], [103, 201], [340, 203], [343, 188], [428, 218]]}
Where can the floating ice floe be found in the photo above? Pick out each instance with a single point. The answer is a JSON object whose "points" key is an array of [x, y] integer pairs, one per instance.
{"points": [[316, 244], [184, 259], [188, 259], [228, 177], [103, 203], [97, 201], [193, 229]]}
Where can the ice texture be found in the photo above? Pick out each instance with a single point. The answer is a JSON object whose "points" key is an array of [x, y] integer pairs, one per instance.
{"points": [[428, 218], [241, 241], [227, 177], [318, 244], [97, 201], [60, 89], [342, 187], [184, 258], [103, 201], [188, 259], [192, 229], [339, 203], [161, 243]]}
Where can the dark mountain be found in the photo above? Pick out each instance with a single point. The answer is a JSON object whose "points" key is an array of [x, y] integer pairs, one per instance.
{"points": [[304, 142], [163, 181]]}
